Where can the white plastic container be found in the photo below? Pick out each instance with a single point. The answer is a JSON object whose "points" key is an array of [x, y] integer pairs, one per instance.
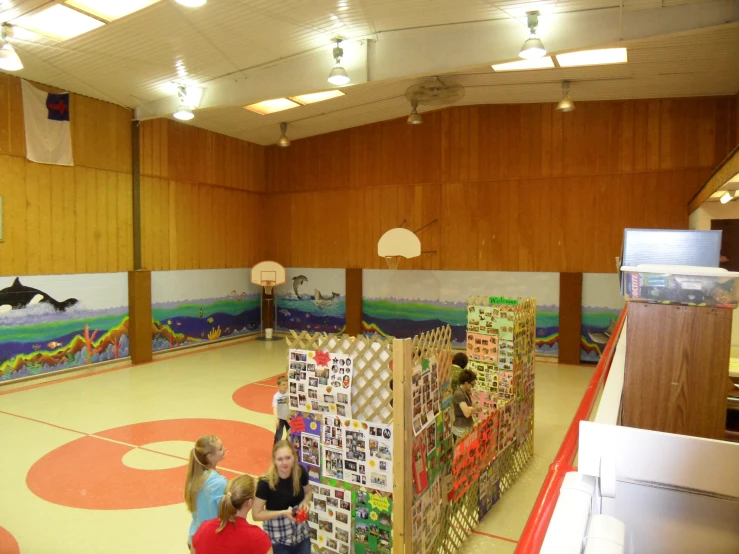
{"points": [[268, 334], [681, 284]]}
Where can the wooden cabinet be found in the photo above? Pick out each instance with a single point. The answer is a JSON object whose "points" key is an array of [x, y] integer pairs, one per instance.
{"points": [[677, 360]]}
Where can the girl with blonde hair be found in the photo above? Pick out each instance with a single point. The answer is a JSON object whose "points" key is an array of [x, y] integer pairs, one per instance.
{"points": [[231, 533], [204, 486], [282, 491]]}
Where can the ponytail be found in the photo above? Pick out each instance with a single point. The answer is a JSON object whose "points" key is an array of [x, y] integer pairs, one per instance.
{"points": [[238, 492], [197, 469]]}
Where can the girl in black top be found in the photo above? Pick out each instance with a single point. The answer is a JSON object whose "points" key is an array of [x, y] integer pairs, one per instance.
{"points": [[284, 487]]}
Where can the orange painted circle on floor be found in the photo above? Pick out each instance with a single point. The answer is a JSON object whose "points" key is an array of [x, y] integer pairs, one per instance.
{"points": [[89, 472], [255, 397], [8, 544]]}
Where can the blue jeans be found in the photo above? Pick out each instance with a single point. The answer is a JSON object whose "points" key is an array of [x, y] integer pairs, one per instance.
{"points": [[300, 548]]}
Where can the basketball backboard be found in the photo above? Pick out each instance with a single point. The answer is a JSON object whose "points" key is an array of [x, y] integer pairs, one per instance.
{"points": [[397, 243], [267, 274]]}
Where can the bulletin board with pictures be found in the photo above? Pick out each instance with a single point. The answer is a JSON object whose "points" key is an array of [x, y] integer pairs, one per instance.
{"points": [[355, 444], [501, 350]]}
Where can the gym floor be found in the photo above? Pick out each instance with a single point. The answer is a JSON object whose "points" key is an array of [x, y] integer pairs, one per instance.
{"points": [[95, 463]]}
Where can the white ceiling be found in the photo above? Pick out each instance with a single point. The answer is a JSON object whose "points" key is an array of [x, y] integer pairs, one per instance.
{"points": [[675, 49]]}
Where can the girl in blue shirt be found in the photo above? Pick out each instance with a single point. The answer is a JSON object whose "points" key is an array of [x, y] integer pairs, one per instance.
{"points": [[204, 486]]}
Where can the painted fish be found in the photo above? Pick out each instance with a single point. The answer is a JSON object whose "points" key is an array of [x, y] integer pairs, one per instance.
{"points": [[179, 323], [210, 320], [169, 322], [201, 312], [36, 346], [54, 344], [285, 312]]}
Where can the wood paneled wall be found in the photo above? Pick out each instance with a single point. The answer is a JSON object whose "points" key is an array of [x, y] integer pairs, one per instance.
{"points": [[66, 219], [203, 198], [513, 187]]}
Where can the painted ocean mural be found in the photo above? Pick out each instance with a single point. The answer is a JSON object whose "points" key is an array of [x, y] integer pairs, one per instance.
{"points": [[405, 319], [194, 306], [405, 303], [601, 307], [311, 300], [55, 322]]}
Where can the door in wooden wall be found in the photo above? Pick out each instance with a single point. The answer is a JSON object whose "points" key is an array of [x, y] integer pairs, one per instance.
{"points": [[729, 241]]}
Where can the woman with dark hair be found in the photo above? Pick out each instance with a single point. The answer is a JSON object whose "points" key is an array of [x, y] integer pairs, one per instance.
{"points": [[462, 401], [459, 362]]}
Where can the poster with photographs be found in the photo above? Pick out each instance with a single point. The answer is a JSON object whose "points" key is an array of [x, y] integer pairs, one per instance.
{"points": [[358, 452], [373, 523], [425, 394], [320, 382], [426, 514], [306, 439], [486, 401], [482, 348], [507, 415], [330, 519], [489, 488]]}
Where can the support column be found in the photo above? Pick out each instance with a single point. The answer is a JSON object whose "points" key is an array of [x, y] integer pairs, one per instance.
{"points": [[570, 317], [139, 316], [354, 301]]}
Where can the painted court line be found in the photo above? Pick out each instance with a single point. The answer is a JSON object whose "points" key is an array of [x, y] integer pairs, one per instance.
{"points": [[43, 423], [476, 532]]}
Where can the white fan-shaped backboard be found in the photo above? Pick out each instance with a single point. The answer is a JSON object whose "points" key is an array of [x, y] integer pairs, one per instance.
{"points": [[268, 273], [399, 242]]}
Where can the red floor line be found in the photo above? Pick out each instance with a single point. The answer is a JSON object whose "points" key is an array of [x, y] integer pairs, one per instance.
{"points": [[43, 422], [194, 350], [476, 532]]}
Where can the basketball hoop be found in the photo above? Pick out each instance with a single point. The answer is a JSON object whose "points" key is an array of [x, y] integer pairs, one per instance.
{"points": [[392, 262], [268, 286]]}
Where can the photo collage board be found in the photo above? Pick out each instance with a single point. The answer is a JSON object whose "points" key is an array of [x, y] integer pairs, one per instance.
{"points": [[351, 516], [320, 382], [358, 452], [373, 523], [330, 519]]}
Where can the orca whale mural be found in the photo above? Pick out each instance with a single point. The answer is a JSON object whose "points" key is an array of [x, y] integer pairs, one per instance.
{"points": [[18, 296]]}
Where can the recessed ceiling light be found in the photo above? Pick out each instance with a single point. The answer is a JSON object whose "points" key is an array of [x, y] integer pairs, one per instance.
{"points": [[110, 10], [271, 106], [317, 96], [538, 63], [58, 22], [593, 57]]}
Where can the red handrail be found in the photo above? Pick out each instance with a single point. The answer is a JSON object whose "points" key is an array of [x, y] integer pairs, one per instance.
{"points": [[541, 514]]}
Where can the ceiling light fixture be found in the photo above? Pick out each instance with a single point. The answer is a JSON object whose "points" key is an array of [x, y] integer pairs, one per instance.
{"points": [[521, 65], [566, 104], [414, 118], [184, 112], [338, 75], [271, 106], [604, 56], [192, 3], [9, 59], [316, 97], [283, 141], [110, 10], [58, 22], [533, 47], [727, 197]]}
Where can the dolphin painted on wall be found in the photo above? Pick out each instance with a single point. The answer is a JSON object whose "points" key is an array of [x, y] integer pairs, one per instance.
{"points": [[297, 281], [18, 297], [324, 301]]}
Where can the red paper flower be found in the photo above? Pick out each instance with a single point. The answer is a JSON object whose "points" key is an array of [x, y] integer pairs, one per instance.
{"points": [[322, 358], [301, 515]]}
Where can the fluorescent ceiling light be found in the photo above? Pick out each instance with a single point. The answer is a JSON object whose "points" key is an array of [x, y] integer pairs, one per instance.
{"points": [[726, 198], [593, 57], [59, 22], [317, 96], [538, 63], [271, 106], [110, 10], [192, 3]]}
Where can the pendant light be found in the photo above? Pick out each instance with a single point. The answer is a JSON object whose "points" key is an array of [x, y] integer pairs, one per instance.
{"points": [[283, 141], [184, 112], [415, 118], [9, 59], [566, 104], [533, 48], [338, 75]]}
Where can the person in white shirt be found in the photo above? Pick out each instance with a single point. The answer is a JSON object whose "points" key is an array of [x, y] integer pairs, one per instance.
{"points": [[281, 409]]}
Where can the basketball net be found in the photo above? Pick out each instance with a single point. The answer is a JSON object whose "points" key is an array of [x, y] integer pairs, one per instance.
{"points": [[268, 286], [392, 262]]}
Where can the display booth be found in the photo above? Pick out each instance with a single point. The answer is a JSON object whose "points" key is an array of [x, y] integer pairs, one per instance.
{"points": [[371, 419]]}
